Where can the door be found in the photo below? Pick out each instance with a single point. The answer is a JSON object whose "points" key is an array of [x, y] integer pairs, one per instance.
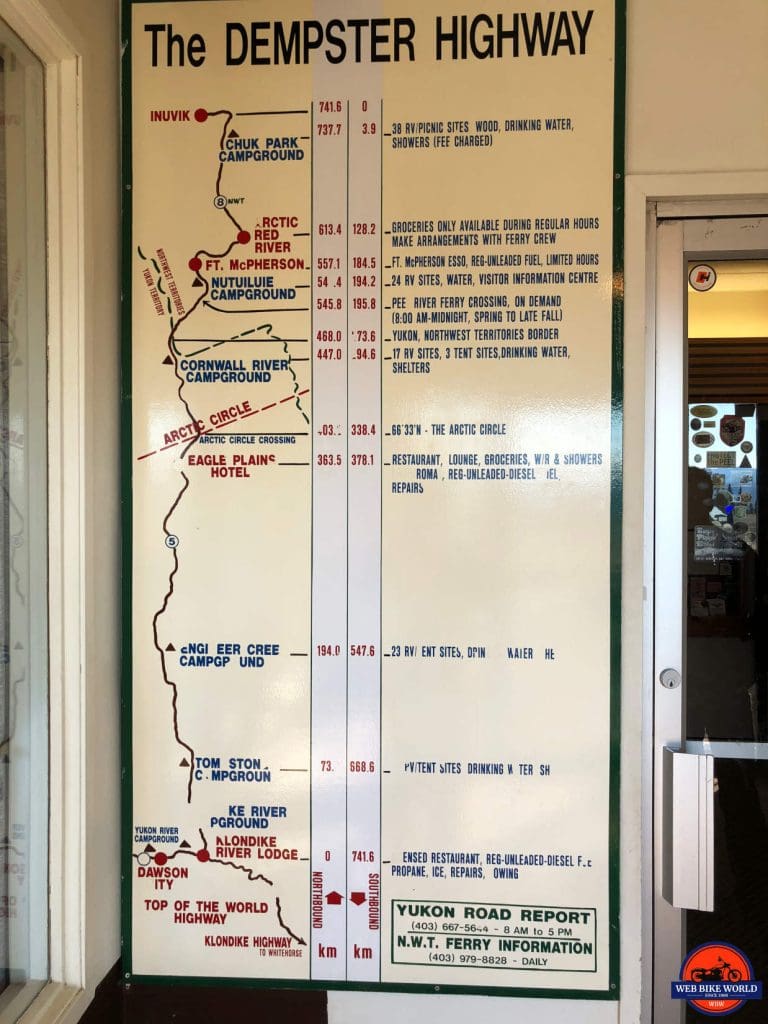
{"points": [[711, 617]]}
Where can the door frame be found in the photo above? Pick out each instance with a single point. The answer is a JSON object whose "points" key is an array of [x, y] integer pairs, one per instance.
{"points": [[63, 997], [649, 199], [678, 241], [80, 54]]}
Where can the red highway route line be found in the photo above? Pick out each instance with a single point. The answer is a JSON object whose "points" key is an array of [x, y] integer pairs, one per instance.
{"points": [[284, 926], [201, 115], [243, 237], [159, 648], [243, 416], [203, 855]]}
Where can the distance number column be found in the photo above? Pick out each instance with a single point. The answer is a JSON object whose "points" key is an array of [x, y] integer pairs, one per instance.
{"points": [[364, 541], [329, 538]]}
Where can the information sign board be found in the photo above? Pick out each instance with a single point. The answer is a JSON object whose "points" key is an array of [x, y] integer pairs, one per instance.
{"points": [[372, 379]]}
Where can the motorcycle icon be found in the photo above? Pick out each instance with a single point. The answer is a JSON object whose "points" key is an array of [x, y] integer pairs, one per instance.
{"points": [[720, 972]]}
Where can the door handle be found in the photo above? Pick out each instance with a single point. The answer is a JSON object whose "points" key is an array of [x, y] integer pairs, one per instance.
{"points": [[688, 830]]}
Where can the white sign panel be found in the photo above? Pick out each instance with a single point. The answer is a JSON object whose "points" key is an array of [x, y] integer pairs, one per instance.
{"points": [[373, 433]]}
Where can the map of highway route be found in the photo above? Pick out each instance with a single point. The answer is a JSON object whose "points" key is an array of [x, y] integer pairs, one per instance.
{"points": [[227, 306]]}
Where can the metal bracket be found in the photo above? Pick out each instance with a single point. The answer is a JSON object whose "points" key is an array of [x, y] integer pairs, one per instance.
{"points": [[688, 844]]}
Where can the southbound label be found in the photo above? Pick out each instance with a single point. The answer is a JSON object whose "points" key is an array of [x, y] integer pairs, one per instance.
{"points": [[497, 935]]}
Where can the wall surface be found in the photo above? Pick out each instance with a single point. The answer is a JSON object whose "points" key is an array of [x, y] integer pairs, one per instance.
{"points": [[697, 78], [697, 81], [696, 119]]}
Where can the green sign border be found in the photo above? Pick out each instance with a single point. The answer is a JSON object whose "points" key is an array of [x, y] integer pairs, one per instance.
{"points": [[617, 390]]}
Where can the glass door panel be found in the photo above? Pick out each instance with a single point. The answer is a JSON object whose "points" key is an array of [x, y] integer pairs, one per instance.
{"points": [[726, 598]]}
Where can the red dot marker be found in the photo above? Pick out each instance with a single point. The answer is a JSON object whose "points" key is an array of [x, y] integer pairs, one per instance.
{"points": [[243, 237], [160, 859], [201, 115], [203, 856], [195, 263]]}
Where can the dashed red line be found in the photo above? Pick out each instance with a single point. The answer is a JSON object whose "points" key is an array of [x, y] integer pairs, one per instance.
{"points": [[242, 416]]}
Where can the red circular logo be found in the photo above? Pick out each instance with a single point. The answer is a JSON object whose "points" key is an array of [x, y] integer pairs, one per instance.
{"points": [[716, 962]]}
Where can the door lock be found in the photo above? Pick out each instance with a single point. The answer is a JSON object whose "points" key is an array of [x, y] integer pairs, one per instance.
{"points": [[670, 678]]}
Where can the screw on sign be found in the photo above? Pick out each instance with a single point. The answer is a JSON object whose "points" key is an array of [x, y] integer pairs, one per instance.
{"points": [[716, 979]]}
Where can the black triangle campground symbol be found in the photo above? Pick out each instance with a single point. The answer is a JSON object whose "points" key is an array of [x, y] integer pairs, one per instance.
{"points": [[170, 647], [184, 763], [745, 463], [184, 844], [233, 135], [149, 849], [167, 361], [197, 283]]}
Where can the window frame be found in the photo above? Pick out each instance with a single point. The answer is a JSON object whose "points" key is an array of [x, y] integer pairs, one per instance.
{"points": [[64, 997]]}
